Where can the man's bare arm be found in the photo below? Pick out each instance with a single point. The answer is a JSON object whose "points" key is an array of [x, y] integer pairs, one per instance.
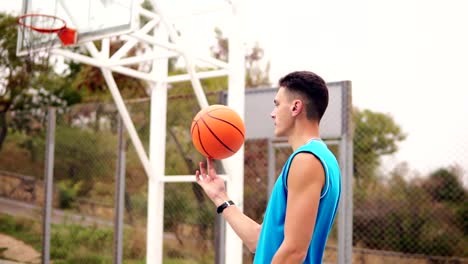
{"points": [[247, 229]]}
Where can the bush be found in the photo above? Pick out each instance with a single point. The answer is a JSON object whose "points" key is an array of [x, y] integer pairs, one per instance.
{"points": [[84, 156], [68, 192], [66, 239]]}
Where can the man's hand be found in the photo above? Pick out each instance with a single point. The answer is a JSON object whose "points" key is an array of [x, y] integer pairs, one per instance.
{"points": [[214, 187], [212, 184]]}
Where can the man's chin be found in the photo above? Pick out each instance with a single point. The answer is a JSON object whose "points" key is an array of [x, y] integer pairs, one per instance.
{"points": [[278, 134]]}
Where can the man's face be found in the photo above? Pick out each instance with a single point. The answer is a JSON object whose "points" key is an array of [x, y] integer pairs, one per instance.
{"points": [[281, 113]]}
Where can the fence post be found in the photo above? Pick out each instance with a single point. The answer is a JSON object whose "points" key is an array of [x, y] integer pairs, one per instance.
{"points": [[119, 194], [271, 166], [48, 183], [220, 240], [345, 214]]}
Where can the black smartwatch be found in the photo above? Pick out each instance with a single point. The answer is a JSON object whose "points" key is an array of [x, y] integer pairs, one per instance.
{"points": [[223, 206]]}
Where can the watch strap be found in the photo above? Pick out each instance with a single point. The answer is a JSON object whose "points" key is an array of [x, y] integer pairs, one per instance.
{"points": [[223, 206]]}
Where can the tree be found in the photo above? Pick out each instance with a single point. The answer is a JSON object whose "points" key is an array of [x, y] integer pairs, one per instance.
{"points": [[13, 77], [445, 185], [375, 135], [89, 80], [28, 84], [257, 74], [401, 215]]}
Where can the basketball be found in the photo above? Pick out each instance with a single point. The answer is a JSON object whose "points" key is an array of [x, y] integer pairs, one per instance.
{"points": [[218, 132]]}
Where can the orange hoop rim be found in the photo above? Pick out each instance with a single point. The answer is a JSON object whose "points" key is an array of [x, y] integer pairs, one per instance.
{"points": [[21, 21]]}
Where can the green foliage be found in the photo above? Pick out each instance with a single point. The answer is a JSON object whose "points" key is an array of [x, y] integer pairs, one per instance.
{"points": [[86, 259], [401, 216], [375, 135], [178, 207], [81, 154], [27, 84], [462, 216], [73, 242], [444, 185], [256, 70], [90, 82], [13, 68], [30, 118], [68, 192], [20, 228]]}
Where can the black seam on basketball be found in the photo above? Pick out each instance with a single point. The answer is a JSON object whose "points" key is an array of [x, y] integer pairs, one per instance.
{"points": [[201, 142], [208, 113], [193, 126], [219, 140], [221, 108], [227, 122]]}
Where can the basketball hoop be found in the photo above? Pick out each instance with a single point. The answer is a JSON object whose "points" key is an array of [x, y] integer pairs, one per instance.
{"points": [[39, 36], [47, 24]]}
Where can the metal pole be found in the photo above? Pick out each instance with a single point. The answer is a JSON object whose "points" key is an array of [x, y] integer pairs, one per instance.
{"points": [[271, 166], [184, 52], [220, 238], [48, 184], [157, 152], [119, 195], [343, 204], [345, 217], [127, 120], [349, 198], [234, 165]]}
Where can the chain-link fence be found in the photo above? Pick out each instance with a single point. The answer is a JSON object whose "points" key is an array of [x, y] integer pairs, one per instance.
{"points": [[397, 219], [401, 216]]}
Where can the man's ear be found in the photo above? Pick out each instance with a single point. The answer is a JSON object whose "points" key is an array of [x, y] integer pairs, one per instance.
{"points": [[297, 107]]}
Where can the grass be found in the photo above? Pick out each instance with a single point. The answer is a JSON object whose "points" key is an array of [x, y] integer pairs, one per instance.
{"points": [[72, 244], [23, 229]]}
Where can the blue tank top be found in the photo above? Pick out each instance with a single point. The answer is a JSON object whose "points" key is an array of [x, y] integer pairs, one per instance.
{"points": [[272, 233]]}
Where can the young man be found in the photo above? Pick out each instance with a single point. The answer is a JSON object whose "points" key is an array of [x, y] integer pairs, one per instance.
{"points": [[304, 200]]}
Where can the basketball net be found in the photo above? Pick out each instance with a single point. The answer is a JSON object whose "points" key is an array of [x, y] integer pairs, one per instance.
{"points": [[40, 33]]}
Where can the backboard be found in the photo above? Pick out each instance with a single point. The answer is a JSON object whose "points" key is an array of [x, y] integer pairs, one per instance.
{"points": [[334, 124], [92, 19]]}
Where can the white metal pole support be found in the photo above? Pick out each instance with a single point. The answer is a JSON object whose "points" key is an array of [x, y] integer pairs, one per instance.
{"points": [[155, 221], [202, 101], [132, 42], [158, 124], [190, 66], [114, 90], [135, 73], [127, 121], [236, 100], [176, 48]]}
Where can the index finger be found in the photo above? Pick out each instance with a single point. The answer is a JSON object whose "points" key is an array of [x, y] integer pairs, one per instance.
{"points": [[211, 167], [202, 168]]}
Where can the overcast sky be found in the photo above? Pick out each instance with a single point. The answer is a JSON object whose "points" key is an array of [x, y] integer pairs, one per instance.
{"points": [[406, 58]]}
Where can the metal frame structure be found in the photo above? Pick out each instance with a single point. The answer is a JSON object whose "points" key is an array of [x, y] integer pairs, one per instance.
{"points": [[167, 43]]}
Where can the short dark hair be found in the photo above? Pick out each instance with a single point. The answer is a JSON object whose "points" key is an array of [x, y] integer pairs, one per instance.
{"points": [[311, 87]]}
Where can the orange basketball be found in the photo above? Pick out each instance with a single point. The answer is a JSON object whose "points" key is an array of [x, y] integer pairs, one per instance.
{"points": [[217, 132]]}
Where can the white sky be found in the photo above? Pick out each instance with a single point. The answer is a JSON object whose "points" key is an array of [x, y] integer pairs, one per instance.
{"points": [[407, 58]]}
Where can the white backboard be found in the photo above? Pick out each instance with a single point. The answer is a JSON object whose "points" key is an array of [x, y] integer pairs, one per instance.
{"points": [[92, 19], [334, 123]]}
